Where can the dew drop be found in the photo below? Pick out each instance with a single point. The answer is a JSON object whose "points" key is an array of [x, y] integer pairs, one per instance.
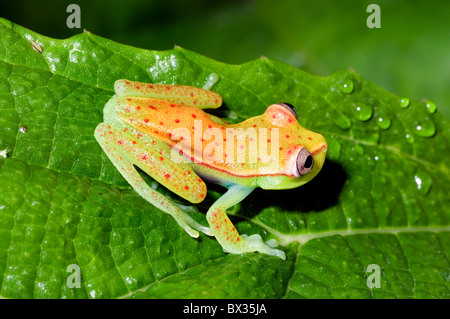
{"points": [[347, 86], [425, 128], [358, 149], [404, 102], [409, 138], [341, 120], [362, 112], [384, 122], [423, 182], [431, 107]]}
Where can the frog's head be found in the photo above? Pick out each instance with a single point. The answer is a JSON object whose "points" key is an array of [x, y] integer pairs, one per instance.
{"points": [[301, 152]]}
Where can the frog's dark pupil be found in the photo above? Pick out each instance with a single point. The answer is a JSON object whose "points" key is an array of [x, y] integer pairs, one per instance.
{"points": [[308, 162]]}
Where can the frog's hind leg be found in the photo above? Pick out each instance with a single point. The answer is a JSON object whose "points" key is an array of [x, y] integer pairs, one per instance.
{"points": [[117, 145], [178, 94]]}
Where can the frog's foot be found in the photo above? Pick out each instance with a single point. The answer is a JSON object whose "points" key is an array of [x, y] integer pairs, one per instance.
{"points": [[191, 226], [255, 243]]}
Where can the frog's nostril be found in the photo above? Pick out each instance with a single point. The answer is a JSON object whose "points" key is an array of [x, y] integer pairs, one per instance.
{"points": [[305, 162]]}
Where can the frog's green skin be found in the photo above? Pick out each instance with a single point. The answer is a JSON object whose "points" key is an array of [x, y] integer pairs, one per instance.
{"points": [[150, 125]]}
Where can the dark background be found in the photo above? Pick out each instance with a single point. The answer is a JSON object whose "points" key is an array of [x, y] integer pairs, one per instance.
{"points": [[409, 55]]}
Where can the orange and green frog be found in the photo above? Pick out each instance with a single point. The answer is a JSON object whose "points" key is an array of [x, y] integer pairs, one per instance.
{"points": [[163, 130]]}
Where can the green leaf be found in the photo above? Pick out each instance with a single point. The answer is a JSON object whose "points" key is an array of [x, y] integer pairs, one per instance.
{"points": [[381, 198]]}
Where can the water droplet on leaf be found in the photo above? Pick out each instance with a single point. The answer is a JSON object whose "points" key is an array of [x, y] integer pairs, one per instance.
{"points": [[404, 102], [423, 182], [409, 138], [425, 128], [358, 149], [431, 107], [384, 122], [341, 120], [362, 112], [347, 86]]}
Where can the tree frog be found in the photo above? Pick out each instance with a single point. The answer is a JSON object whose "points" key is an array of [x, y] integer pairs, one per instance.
{"points": [[163, 130]]}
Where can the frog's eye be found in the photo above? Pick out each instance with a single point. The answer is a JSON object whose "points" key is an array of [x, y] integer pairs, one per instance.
{"points": [[289, 107], [305, 162]]}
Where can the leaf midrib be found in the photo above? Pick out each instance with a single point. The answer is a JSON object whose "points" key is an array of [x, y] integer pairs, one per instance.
{"points": [[285, 239]]}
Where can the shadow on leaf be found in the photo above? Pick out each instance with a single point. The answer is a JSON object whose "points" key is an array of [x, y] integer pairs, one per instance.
{"points": [[319, 194]]}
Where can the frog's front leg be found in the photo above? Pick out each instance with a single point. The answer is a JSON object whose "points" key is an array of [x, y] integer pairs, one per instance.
{"points": [[225, 232]]}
